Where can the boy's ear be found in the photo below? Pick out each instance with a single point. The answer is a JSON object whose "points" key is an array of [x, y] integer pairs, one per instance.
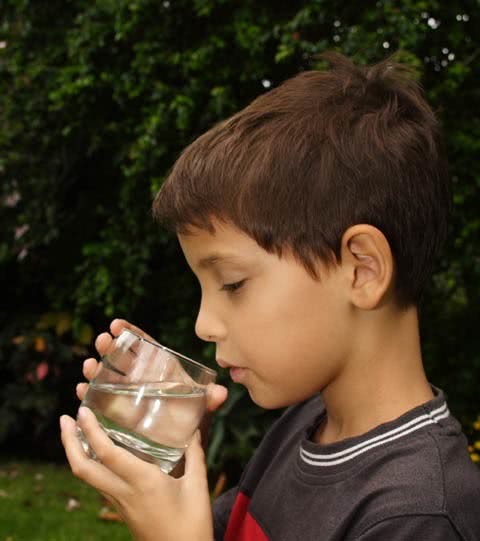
{"points": [[368, 260]]}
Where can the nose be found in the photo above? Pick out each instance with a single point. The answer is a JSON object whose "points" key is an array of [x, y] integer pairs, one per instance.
{"points": [[209, 326]]}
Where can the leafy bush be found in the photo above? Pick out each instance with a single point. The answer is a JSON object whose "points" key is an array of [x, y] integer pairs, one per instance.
{"points": [[97, 99]]}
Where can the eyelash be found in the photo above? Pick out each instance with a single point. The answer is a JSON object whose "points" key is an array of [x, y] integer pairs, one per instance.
{"points": [[233, 288]]}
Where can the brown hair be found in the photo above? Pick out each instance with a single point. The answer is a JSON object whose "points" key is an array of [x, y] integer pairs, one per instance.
{"points": [[321, 152]]}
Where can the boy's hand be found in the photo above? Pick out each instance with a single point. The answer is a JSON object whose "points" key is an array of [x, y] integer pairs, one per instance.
{"points": [[154, 505]]}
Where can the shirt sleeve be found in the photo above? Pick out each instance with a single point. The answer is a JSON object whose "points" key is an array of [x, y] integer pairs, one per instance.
{"points": [[436, 527], [221, 512]]}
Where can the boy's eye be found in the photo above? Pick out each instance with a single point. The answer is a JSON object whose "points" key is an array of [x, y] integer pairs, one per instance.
{"points": [[233, 287]]}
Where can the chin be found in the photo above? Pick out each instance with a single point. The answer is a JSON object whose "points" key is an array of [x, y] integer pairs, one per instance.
{"points": [[268, 401]]}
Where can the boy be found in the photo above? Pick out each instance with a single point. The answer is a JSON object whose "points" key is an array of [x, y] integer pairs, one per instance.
{"points": [[311, 220]]}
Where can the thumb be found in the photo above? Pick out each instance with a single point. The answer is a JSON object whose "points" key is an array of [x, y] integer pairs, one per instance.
{"points": [[195, 464], [216, 396]]}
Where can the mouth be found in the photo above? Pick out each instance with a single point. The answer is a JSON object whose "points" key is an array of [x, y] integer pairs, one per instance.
{"points": [[224, 364], [237, 373]]}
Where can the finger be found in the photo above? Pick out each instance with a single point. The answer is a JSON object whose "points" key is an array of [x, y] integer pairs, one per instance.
{"points": [[83, 467], [195, 463], [110, 501], [216, 396], [119, 461], [82, 389], [117, 326], [102, 343], [90, 368]]}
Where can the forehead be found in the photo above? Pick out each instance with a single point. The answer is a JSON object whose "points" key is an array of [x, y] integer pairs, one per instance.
{"points": [[226, 244]]}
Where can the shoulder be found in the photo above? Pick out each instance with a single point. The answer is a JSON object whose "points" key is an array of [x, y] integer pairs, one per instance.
{"points": [[460, 478], [399, 528], [427, 479]]}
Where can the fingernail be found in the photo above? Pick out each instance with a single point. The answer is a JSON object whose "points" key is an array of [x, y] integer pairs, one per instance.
{"points": [[82, 412], [63, 421]]}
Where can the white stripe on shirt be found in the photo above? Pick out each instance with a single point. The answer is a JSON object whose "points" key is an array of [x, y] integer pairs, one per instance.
{"points": [[347, 454]]}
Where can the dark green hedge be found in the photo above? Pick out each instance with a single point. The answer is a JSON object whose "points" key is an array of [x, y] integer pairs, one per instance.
{"points": [[97, 99]]}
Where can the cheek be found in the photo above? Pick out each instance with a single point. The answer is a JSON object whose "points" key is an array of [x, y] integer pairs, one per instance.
{"points": [[294, 342], [289, 319]]}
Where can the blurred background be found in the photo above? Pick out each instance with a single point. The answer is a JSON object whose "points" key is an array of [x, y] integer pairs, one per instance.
{"points": [[97, 100]]}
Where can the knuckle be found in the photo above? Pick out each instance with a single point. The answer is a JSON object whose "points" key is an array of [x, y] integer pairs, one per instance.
{"points": [[145, 487], [104, 453], [78, 470]]}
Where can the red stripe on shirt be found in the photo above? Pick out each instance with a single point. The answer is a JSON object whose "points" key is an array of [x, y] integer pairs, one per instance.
{"points": [[241, 525]]}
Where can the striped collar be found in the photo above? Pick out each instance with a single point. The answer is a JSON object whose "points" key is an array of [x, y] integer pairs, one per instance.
{"points": [[341, 452]]}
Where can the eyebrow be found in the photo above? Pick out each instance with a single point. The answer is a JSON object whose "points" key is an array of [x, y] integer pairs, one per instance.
{"points": [[215, 258]]}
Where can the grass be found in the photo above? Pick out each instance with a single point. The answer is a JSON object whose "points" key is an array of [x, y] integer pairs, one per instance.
{"points": [[34, 500]]}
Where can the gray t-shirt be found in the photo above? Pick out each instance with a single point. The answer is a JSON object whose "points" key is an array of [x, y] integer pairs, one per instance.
{"points": [[408, 479]]}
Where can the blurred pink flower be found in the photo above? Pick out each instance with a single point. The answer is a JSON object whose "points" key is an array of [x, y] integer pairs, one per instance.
{"points": [[12, 199], [42, 370], [20, 231]]}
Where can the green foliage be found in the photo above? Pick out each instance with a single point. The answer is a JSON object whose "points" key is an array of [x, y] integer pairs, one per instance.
{"points": [[97, 100]]}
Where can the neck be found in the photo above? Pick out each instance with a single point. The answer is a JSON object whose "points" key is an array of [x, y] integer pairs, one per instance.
{"points": [[383, 379]]}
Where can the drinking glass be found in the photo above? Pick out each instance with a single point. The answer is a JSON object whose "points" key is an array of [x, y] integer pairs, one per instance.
{"points": [[148, 398]]}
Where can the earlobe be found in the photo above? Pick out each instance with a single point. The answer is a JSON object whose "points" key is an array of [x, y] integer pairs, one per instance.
{"points": [[367, 254]]}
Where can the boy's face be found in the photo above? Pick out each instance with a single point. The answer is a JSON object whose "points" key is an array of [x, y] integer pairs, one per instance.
{"points": [[285, 330]]}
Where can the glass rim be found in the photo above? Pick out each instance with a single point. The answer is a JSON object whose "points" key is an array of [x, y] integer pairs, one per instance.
{"points": [[165, 348]]}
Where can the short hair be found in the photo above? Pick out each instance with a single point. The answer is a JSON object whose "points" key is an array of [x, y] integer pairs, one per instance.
{"points": [[321, 152]]}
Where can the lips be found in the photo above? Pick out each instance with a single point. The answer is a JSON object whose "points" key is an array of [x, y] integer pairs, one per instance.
{"points": [[224, 364], [237, 374], [221, 363]]}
